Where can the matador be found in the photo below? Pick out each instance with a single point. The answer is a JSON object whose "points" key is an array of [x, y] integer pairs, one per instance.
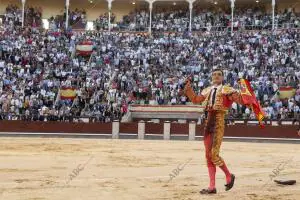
{"points": [[217, 100]]}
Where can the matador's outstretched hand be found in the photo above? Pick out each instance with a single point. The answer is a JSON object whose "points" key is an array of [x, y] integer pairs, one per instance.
{"points": [[189, 92]]}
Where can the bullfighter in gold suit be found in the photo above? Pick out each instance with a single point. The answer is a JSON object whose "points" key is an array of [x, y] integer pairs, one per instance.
{"points": [[217, 100]]}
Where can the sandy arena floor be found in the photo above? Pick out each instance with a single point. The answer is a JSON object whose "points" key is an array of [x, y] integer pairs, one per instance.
{"points": [[88, 169]]}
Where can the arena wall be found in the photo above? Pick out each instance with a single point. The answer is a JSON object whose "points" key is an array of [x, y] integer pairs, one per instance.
{"points": [[238, 130]]}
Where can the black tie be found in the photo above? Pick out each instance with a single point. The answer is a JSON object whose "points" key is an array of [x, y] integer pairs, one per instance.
{"points": [[214, 96]]}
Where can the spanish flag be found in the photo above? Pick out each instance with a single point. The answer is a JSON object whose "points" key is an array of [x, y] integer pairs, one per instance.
{"points": [[286, 92], [67, 93], [249, 99]]}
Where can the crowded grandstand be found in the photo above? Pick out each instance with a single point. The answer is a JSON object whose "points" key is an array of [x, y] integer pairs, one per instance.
{"points": [[69, 64]]}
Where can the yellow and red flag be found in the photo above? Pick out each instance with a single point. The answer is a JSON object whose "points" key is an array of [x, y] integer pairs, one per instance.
{"points": [[286, 92], [249, 99], [67, 93]]}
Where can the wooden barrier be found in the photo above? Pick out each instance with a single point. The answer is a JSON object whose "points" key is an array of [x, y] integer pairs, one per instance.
{"points": [[238, 130], [129, 128], [153, 128], [199, 130], [182, 129], [289, 131], [241, 130], [54, 127]]}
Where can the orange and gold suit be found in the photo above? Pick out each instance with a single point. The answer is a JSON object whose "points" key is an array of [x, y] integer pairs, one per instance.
{"points": [[215, 122]]}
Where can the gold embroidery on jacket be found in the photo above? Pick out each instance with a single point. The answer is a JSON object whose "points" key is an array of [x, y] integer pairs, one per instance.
{"points": [[228, 90], [225, 90]]}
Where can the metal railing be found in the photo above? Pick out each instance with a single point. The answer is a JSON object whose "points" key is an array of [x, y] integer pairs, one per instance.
{"points": [[60, 118], [129, 28], [92, 119], [203, 30]]}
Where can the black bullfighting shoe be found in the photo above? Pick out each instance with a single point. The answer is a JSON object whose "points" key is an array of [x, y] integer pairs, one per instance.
{"points": [[231, 183], [208, 191]]}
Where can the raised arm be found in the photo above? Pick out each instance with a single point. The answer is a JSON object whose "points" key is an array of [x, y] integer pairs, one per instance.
{"points": [[189, 92]]}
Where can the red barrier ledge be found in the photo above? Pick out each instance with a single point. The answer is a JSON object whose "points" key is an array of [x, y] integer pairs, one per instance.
{"points": [[151, 128]]}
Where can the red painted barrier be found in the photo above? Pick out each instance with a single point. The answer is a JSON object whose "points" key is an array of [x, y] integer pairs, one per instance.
{"points": [[239, 130], [179, 129], [129, 128], [153, 128], [54, 127], [289, 131]]}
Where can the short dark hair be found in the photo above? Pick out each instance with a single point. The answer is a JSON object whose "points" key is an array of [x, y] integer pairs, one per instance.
{"points": [[218, 69]]}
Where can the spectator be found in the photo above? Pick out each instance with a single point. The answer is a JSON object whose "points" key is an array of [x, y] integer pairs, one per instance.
{"points": [[133, 68]]}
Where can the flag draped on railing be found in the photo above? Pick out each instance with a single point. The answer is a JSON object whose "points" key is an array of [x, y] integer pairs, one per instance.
{"points": [[249, 99], [85, 48]]}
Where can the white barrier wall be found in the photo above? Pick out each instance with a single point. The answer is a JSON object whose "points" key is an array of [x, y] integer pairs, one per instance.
{"points": [[167, 130], [115, 129], [192, 130], [168, 112], [141, 130]]}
